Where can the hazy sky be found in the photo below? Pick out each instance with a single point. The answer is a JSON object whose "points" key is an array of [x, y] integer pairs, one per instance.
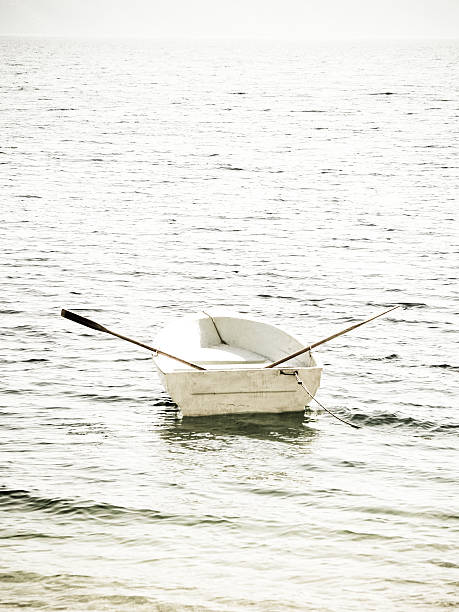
{"points": [[304, 19]]}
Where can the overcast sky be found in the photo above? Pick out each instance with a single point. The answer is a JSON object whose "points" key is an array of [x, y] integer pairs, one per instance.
{"points": [[298, 19]]}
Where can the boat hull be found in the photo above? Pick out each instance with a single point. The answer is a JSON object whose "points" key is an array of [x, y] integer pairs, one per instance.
{"points": [[237, 391]]}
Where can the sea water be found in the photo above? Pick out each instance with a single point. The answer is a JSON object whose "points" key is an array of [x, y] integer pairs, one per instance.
{"points": [[313, 185]]}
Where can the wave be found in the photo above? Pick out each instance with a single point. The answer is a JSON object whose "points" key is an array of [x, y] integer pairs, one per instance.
{"points": [[79, 591], [445, 366], [389, 418], [277, 297], [394, 356], [413, 304], [161, 401], [97, 397], [20, 499]]}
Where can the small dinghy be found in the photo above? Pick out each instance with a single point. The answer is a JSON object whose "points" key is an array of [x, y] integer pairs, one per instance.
{"points": [[235, 355], [221, 363]]}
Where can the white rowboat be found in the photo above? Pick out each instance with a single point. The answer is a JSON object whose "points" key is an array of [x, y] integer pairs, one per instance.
{"points": [[234, 353], [229, 367]]}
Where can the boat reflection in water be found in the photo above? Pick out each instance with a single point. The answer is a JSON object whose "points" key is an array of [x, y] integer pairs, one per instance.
{"points": [[288, 427]]}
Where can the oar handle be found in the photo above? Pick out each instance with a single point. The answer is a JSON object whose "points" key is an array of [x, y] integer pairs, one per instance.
{"points": [[340, 333], [72, 316]]}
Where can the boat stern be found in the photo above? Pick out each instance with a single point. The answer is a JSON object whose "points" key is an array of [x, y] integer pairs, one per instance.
{"points": [[237, 391]]}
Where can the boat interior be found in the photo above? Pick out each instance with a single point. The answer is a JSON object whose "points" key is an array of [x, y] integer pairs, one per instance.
{"points": [[222, 341]]}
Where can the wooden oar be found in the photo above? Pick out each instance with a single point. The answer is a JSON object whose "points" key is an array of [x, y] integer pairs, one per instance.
{"points": [[340, 333], [93, 325]]}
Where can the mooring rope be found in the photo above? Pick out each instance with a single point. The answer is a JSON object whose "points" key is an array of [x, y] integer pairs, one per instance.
{"points": [[300, 382]]}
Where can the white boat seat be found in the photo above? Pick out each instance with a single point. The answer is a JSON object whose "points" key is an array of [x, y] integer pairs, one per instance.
{"points": [[225, 354], [219, 355]]}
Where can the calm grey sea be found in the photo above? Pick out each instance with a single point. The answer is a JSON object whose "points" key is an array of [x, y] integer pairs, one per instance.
{"points": [[313, 185]]}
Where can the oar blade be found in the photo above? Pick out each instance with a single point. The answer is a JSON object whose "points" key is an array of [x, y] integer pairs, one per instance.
{"points": [[76, 318]]}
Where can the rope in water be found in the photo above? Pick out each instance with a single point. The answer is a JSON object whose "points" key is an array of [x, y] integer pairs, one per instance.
{"points": [[300, 382]]}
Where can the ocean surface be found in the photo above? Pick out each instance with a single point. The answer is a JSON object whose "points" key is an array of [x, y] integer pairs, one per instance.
{"points": [[313, 185]]}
